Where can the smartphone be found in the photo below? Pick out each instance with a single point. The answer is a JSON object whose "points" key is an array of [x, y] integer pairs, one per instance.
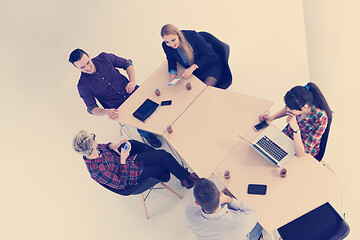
{"points": [[257, 189], [164, 103], [261, 125], [173, 82], [127, 146]]}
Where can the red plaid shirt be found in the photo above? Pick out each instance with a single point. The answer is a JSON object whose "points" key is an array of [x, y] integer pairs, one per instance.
{"points": [[108, 170], [311, 128]]}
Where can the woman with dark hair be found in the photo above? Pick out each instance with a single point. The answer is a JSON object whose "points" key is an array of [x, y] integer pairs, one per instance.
{"points": [[308, 116], [190, 49]]}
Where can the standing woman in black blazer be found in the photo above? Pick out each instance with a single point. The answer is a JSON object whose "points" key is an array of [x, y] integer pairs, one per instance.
{"points": [[190, 49]]}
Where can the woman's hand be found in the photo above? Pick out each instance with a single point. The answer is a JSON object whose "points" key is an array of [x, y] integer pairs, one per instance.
{"points": [[172, 77], [187, 73], [291, 120], [298, 143], [265, 117]]}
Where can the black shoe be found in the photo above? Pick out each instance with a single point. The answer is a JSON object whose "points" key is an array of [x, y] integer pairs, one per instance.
{"points": [[194, 177], [154, 141], [187, 183]]}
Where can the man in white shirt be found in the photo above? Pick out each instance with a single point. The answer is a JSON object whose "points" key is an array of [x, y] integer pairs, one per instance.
{"points": [[214, 215]]}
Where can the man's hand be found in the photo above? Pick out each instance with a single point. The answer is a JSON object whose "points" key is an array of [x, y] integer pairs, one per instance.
{"points": [[225, 199], [112, 113], [130, 87]]}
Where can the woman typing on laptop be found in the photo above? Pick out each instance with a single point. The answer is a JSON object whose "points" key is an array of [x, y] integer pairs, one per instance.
{"points": [[308, 114]]}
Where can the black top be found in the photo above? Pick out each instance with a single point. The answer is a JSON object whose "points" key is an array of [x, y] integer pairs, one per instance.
{"points": [[204, 54]]}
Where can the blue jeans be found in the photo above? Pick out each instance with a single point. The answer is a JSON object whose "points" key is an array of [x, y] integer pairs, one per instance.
{"points": [[255, 233], [145, 134]]}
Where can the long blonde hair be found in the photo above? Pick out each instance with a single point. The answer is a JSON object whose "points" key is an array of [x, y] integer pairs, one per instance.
{"points": [[185, 47]]}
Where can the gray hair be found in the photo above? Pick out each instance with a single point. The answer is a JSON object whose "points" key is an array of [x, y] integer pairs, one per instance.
{"points": [[83, 143]]}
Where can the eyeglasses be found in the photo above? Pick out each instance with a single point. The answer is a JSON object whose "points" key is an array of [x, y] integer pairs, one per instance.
{"points": [[94, 136]]}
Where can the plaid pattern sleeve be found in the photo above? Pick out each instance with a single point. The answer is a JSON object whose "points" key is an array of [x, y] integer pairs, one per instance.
{"points": [[312, 128], [108, 170]]}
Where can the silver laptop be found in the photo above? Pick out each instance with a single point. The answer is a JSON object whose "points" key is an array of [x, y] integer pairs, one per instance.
{"points": [[274, 145]]}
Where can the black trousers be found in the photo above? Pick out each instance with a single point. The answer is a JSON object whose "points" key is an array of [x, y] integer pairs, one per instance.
{"points": [[157, 163]]}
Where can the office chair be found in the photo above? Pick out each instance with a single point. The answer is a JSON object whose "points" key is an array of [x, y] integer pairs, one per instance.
{"points": [[147, 184], [323, 143], [223, 51], [322, 223]]}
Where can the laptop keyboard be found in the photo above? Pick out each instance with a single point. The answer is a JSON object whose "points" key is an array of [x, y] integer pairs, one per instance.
{"points": [[271, 148]]}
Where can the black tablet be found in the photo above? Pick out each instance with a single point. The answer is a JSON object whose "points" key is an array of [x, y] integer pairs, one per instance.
{"points": [[145, 110]]}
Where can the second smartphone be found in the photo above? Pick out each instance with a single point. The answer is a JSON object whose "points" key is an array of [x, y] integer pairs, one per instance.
{"points": [[165, 103], [259, 189], [261, 125]]}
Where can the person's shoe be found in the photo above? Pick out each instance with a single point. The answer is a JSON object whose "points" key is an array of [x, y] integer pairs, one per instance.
{"points": [[186, 183], [190, 181], [194, 177], [183, 183], [153, 141]]}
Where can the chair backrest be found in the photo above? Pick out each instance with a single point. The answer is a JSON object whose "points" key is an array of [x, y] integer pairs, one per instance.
{"points": [[323, 143], [223, 51], [321, 223], [221, 48], [136, 189]]}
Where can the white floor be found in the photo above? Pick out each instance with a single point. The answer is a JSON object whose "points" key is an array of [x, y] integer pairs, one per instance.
{"points": [[46, 191]]}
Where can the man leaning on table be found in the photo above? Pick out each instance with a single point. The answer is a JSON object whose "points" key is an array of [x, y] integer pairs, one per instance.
{"points": [[217, 216], [101, 80]]}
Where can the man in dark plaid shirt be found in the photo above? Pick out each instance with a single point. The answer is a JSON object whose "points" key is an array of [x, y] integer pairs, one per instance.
{"points": [[101, 80]]}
